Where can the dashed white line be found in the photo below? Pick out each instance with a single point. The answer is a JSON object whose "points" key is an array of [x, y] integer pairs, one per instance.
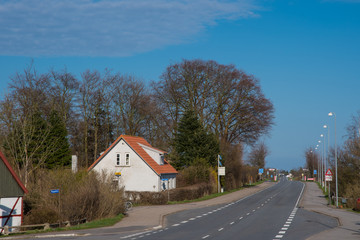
{"points": [[232, 223], [220, 229], [205, 236]]}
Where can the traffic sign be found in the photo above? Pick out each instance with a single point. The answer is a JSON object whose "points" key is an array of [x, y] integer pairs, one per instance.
{"points": [[328, 172], [261, 170], [117, 174], [328, 175], [315, 172], [54, 191]]}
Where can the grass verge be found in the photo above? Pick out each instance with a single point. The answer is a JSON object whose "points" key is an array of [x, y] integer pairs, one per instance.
{"points": [[106, 222]]}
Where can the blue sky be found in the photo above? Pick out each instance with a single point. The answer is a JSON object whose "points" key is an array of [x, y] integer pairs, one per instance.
{"points": [[306, 53]]}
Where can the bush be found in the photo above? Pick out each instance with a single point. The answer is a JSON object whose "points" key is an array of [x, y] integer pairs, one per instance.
{"points": [[82, 195], [192, 192]]}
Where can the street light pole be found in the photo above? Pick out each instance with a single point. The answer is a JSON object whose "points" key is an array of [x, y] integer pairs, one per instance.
{"points": [[324, 158], [336, 165]]}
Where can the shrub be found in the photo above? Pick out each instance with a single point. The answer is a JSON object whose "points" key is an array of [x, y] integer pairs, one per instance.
{"points": [[82, 195]]}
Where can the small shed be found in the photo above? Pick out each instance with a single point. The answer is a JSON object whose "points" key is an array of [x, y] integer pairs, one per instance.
{"points": [[12, 191]]}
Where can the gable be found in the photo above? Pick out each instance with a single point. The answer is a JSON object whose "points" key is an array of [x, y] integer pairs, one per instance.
{"points": [[10, 184], [137, 144]]}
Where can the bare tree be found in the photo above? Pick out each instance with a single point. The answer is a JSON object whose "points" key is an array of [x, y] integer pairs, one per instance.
{"points": [[226, 99], [258, 155], [312, 160]]}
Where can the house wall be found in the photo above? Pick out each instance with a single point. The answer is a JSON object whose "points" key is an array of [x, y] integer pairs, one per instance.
{"points": [[6, 205], [138, 176]]}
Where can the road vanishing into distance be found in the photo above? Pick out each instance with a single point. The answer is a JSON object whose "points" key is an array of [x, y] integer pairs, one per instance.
{"points": [[270, 214]]}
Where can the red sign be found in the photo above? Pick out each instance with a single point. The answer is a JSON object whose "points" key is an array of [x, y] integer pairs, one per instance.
{"points": [[328, 172]]}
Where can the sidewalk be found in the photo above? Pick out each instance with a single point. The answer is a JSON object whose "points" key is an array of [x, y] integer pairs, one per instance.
{"points": [[148, 217], [349, 222]]}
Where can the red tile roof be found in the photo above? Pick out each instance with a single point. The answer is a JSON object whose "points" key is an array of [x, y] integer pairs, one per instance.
{"points": [[12, 172], [134, 142]]}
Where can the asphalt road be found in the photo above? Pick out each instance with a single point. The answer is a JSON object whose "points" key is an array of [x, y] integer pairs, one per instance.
{"points": [[269, 214]]}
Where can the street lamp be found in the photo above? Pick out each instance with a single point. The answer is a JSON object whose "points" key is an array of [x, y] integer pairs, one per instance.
{"points": [[323, 159], [336, 174]]}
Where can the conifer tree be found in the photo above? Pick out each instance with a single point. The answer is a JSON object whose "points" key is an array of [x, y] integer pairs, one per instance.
{"points": [[60, 153], [192, 142]]}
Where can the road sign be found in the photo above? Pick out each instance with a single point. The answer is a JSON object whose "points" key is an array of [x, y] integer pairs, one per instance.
{"points": [[221, 171], [54, 191], [328, 172], [315, 172], [261, 170], [118, 174], [328, 176]]}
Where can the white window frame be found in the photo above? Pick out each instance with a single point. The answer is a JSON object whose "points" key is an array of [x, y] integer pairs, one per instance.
{"points": [[118, 159], [127, 159]]}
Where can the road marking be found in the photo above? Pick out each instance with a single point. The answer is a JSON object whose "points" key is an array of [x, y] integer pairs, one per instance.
{"points": [[184, 221], [232, 223], [241, 218], [220, 229], [175, 225], [191, 219], [291, 217], [205, 236]]}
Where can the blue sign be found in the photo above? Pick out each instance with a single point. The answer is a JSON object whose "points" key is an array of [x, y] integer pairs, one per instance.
{"points": [[261, 170], [315, 172], [54, 191]]}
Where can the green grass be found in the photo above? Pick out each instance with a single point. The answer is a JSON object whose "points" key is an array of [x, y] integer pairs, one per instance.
{"points": [[106, 222]]}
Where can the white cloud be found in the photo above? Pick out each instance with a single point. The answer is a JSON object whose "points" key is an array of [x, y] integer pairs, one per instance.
{"points": [[108, 27]]}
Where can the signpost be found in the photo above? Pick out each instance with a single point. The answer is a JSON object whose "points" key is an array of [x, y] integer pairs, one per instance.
{"points": [[57, 191], [328, 178], [328, 175]]}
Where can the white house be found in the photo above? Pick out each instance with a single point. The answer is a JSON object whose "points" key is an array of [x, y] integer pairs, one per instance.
{"points": [[136, 165], [11, 196]]}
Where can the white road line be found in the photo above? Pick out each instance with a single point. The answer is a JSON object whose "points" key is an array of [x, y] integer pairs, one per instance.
{"points": [[220, 229], [191, 219], [232, 223], [248, 214], [184, 221], [282, 232], [205, 236], [175, 225], [279, 236], [241, 218], [284, 228]]}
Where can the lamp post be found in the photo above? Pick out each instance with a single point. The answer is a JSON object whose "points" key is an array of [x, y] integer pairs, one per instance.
{"points": [[336, 174], [324, 159], [320, 165], [327, 152]]}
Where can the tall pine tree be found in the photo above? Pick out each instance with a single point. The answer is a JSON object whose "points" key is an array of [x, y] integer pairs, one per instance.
{"points": [[60, 153], [193, 142]]}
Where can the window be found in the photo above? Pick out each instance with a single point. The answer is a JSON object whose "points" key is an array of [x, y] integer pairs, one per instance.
{"points": [[118, 159], [127, 159]]}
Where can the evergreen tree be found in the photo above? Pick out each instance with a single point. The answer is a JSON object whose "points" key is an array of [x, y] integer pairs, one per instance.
{"points": [[60, 150], [192, 142]]}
